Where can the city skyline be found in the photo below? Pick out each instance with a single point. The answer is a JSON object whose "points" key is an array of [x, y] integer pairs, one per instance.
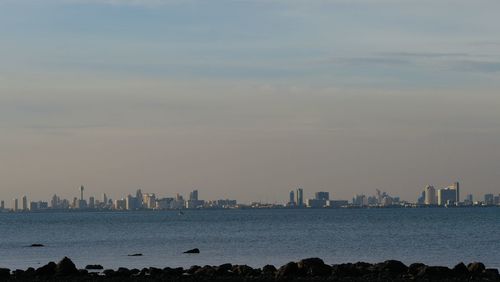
{"points": [[430, 196], [248, 98]]}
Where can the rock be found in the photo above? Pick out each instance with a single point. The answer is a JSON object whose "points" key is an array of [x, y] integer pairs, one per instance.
{"points": [[135, 271], [46, 270], [289, 270], [155, 272], [491, 274], [4, 273], [37, 245], [346, 270], [173, 271], [136, 255], [109, 273], [192, 251], [461, 270], [193, 269], [83, 272], [415, 268], [476, 267], [94, 267], [66, 267], [206, 271], [435, 272], [393, 267], [269, 270], [313, 267], [122, 272], [223, 269], [243, 270]]}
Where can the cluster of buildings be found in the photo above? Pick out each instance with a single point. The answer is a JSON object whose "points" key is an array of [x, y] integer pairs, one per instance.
{"points": [[139, 201], [450, 196], [320, 200]]}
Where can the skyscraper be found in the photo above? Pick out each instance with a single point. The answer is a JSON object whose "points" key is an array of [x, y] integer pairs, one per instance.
{"points": [[447, 196], [193, 196], [300, 197], [291, 202], [15, 205], [324, 196], [457, 189], [430, 195], [2, 205], [25, 203]]}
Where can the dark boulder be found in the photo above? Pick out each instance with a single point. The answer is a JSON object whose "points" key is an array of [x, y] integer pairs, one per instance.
{"points": [[94, 267], [66, 267], [193, 251], [223, 269], [123, 272], [269, 270], [109, 273], [173, 271], [135, 271], [346, 270], [393, 267], [37, 245], [415, 268], [313, 267], [154, 272], [4, 273], [206, 271], [46, 270], [193, 269], [435, 273], [289, 270], [491, 274], [460, 270], [476, 267], [243, 270]]}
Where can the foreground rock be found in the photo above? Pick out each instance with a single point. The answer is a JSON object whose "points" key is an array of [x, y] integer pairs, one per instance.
{"points": [[311, 269]]}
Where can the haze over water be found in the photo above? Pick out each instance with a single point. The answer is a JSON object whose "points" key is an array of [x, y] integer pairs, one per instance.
{"points": [[254, 237]]}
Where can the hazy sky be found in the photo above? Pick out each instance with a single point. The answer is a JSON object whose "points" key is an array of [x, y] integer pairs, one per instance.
{"points": [[248, 99]]}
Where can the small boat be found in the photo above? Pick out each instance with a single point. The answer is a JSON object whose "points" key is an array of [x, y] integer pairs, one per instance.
{"points": [[181, 212]]}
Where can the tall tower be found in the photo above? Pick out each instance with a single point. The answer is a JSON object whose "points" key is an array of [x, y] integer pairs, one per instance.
{"points": [[457, 187], [81, 193], [300, 197], [292, 198], [25, 203], [430, 195]]}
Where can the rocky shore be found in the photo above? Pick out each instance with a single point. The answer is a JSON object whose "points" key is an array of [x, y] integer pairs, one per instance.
{"points": [[312, 269]]}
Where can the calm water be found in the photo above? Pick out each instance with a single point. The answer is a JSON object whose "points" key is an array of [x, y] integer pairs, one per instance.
{"points": [[254, 237]]}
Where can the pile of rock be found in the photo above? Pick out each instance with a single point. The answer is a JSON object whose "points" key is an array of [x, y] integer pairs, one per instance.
{"points": [[311, 269]]}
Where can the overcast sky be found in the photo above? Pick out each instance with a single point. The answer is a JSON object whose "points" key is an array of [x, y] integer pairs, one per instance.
{"points": [[248, 99]]}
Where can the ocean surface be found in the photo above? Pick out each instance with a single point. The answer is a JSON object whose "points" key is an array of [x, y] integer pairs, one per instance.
{"points": [[255, 237]]}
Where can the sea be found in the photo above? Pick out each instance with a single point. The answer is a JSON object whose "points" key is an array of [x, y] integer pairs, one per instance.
{"points": [[256, 237]]}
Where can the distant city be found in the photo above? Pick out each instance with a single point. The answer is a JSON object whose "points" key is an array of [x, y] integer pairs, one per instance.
{"points": [[429, 197]]}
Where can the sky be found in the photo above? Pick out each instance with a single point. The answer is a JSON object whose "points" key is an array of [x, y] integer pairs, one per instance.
{"points": [[248, 99]]}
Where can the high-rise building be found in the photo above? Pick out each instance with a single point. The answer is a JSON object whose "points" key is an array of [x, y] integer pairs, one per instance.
{"points": [[324, 196], [447, 196], [138, 198], [457, 189], [193, 196], [489, 199], [430, 195], [25, 203], [291, 201], [360, 200], [300, 197], [91, 202], [15, 205], [2, 205], [104, 199]]}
